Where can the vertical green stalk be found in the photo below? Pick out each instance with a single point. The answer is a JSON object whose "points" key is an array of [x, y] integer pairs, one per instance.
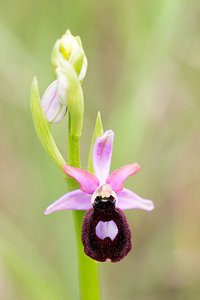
{"points": [[88, 273]]}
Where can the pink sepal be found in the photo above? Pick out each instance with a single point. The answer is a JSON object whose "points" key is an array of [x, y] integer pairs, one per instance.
{"points": [[101, 156], [77, 200], [129, 200]]}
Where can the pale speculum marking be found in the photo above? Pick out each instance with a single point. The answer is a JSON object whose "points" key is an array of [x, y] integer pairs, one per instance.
{"points": [[106, 229]]}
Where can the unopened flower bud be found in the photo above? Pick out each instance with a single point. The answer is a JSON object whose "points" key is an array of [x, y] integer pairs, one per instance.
{"points": [[69, 49], [69, 64], [53, 108]]}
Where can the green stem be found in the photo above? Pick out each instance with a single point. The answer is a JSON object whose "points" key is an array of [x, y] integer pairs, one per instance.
{"points": [[88, 272]]}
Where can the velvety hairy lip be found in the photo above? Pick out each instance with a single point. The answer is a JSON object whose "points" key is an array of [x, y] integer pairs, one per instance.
{"points": [[106, 249]]}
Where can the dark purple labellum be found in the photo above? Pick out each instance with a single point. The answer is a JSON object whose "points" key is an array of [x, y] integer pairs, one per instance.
{"points": [[106, 233]]}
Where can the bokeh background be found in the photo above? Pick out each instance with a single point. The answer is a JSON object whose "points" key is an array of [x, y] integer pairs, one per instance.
{"points": [[144, 77]]}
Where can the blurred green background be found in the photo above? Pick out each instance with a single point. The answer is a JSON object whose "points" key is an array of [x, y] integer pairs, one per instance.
{"points": [[144, 77]]}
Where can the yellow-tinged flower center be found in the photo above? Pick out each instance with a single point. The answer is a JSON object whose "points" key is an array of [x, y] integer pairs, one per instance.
{"points": [[104, 191]]}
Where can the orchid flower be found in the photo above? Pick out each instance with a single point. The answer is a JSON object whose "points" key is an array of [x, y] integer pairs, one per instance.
{"points": [[106, 234]]}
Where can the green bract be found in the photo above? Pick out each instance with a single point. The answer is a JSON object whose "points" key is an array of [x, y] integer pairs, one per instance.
{"points": [[71, 94], [42, 127], [98, 131]]}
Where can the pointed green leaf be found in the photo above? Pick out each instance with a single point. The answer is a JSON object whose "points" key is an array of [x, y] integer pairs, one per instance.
{"points": [[42, 127]]}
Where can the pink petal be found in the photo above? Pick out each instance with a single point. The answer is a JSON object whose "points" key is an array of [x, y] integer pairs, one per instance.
{"points": [[117, 178], [73, 200], [88, 182], [102, 153], [129, 200]]}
